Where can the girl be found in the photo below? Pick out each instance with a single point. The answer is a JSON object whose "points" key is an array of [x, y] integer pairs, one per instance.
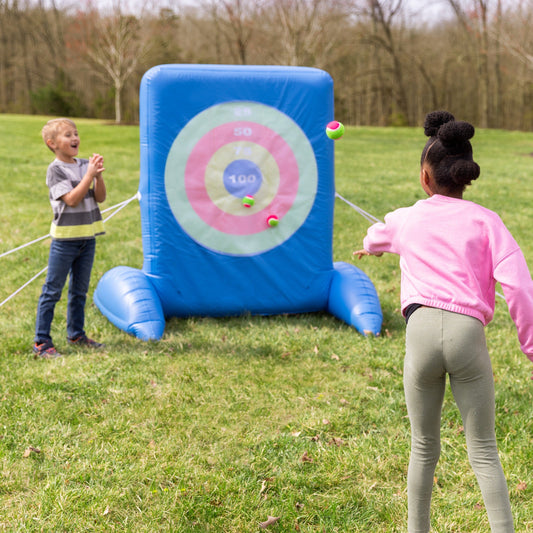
{"points": [[452, 253]]}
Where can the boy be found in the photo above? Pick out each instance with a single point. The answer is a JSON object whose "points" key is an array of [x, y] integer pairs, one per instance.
{"points": [[76, 186]]}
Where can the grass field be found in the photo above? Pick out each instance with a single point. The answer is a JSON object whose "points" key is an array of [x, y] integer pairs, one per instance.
{"points": [[226, 422]]}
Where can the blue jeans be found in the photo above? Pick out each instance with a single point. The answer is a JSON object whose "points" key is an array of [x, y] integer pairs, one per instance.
{"points": [[66, 257]]}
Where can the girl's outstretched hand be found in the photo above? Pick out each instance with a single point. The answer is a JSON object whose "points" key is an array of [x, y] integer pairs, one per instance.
{"points": [[360, 253]]}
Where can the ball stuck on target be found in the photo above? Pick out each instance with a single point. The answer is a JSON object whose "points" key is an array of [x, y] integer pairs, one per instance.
{"points": [[335, 130], [248, 200], [272, 221]]}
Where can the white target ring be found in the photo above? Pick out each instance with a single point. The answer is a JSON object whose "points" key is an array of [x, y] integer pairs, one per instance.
{"points": [[232, 150]]}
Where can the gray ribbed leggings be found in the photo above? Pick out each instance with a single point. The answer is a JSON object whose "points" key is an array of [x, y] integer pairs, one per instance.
{"points": [[439, 343]]}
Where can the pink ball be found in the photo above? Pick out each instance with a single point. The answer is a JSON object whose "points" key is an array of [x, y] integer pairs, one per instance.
{"points": [[272, 221]]}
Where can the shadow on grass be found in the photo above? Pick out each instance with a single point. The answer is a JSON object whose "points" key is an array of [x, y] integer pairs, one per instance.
{"points": [[279, 336]]}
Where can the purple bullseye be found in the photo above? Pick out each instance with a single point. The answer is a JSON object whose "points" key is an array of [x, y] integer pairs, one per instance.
{"points": [[242, 177]]}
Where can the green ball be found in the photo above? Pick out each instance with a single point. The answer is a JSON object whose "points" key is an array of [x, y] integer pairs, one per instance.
{"points": [[248, 200], [335, 130]]}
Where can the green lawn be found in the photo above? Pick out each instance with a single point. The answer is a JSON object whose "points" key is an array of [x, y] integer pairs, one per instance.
{"points": [[225, 422]]}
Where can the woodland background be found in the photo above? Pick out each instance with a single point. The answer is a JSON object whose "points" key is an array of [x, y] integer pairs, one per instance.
{"points": [[391, 62]]}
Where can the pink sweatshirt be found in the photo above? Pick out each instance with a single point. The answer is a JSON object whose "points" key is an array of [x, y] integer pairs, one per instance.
{"points": [[452, 253]]}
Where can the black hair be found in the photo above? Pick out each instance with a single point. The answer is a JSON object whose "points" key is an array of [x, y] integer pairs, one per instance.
{"points": [[448, 151]]}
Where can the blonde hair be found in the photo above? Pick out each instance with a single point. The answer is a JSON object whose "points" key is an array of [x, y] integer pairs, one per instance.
{"points": [[52, 127]]}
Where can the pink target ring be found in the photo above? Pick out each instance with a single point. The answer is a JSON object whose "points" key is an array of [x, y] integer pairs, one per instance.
{"points": [[196, 175]]}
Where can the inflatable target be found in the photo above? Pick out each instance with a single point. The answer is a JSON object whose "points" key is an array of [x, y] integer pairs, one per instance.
{"points": [[232, 151], [236, 197]]}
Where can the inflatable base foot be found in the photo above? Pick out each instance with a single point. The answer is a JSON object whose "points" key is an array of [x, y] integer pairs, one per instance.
{"points": [[353, 299], [127, 298]]}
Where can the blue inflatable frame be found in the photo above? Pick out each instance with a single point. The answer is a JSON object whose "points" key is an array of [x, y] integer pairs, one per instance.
{"points": [[237, 197]]}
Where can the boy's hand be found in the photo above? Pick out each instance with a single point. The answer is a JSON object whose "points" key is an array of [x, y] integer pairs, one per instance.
{"points": [[94, 172], [361, 253], [96, 165]]}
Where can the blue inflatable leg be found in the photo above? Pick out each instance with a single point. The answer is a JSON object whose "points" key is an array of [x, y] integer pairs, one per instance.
{"points": [[127, 298], [353, 299]]}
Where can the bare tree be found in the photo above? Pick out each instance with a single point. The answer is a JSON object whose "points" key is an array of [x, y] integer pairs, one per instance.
{"points": [[9, 17], [25, 56], [308, 29], [235, 21], [516, 35], [113, 45], [513, 35], [385, 35], [473, 16], [50, 24]]}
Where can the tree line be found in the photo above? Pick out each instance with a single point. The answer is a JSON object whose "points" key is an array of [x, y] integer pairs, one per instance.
{"points": [[390, 62]]}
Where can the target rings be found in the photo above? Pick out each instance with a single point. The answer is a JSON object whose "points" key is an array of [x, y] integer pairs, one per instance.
{"points": [[230, 151]]}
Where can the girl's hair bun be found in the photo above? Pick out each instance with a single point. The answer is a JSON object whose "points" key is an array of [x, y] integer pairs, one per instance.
{"points": [[435, 120], [455, 135], [463, 172]]}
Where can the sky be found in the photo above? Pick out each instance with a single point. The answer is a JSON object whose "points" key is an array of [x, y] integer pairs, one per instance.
{"points": [[423, 10]]}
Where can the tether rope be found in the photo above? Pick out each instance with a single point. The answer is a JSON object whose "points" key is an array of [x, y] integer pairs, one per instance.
{"points": [[362, 212], [121, 205], [24, 286], [118, 207], [25, 245]]}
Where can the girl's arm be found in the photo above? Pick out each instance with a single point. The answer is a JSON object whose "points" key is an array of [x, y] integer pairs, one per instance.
{"points": [[362, 252]]}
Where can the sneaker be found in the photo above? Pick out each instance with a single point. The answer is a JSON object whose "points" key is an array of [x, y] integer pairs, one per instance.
{"points": [[84, 341], [45, 350]]}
